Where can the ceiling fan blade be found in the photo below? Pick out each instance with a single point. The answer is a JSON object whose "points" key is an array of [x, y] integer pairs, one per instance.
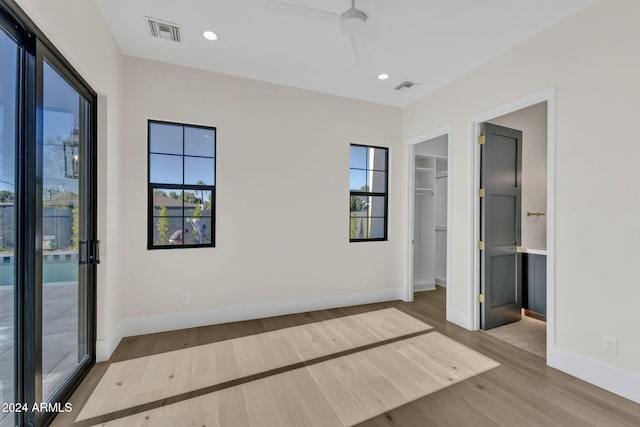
{"points": [[360, 49], [296, 10]]}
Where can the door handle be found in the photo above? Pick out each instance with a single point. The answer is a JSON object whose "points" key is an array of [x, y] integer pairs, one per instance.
{"points": [[83, 252], [94, 258], [89, 252]]}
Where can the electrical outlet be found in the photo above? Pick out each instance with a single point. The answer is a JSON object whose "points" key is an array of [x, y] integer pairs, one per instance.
{"points": [[610, 345], [186, 298]]}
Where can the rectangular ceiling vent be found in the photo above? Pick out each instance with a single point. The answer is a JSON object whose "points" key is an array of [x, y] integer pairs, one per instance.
{"points": [[405, 85], [164, 30]]}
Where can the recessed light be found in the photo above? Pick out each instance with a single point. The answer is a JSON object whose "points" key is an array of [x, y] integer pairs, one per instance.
{"points": [[383, 76], [210, 35]]}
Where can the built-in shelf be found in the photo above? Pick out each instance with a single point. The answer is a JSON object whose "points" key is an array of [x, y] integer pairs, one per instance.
{"points": [[430, 209], [441, 228], [442, 175]]}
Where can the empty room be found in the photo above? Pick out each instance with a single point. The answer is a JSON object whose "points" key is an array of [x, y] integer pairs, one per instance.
{"points": [[176, 247]]}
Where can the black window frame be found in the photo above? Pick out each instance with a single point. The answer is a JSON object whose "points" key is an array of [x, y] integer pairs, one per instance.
{"points": [[384, 194], [152, 186]]}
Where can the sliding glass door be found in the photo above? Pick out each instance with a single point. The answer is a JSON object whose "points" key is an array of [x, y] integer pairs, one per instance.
{"points": [[65, 128], [9, 117], [48, 247]]}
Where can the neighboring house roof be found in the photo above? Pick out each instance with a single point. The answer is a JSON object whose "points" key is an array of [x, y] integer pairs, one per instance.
{"points": [[160, 200]]}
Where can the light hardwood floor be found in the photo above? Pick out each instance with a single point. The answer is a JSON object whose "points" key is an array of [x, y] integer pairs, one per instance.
{"points": [[521, 391], [341, 391], [205, 368]]}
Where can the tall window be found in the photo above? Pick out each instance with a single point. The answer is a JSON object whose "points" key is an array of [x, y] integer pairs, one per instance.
{"points": [[368, 193], [182, 166]]}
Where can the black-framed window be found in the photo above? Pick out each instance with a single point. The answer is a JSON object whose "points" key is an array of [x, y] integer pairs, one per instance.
{"points": [[368, 193], [182, 185]]}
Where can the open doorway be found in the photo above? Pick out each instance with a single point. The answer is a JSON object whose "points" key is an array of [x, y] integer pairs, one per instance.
{"points": [[513, 228], [429, 213]]}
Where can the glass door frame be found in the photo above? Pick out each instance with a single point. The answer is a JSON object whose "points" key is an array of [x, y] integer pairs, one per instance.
{"points": [[35, 49]]}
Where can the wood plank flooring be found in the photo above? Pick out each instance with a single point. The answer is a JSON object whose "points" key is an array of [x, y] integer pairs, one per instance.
{"points": [[340, 391], [528, 334], [148, 379], [522, 391]]}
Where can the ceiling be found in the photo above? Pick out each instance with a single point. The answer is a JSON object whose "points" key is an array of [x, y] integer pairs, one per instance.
{"points": [[430, 42]]}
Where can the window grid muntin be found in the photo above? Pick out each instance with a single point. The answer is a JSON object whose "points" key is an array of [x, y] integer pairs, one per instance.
{"points": [[152, 186], [371, 193]]}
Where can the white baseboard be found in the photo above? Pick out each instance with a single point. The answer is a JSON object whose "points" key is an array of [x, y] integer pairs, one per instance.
{"points": [[419, 287], [106, 347], [191, 319], [593, 371]]}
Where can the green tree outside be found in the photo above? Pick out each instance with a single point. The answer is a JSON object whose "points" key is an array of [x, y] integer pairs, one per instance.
{"points": [[6, 196], [75, 237], [189, 197], [163, 226]]}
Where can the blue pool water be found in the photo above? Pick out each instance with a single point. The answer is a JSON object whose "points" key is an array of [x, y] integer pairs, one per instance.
{"points": [[58, 267]]}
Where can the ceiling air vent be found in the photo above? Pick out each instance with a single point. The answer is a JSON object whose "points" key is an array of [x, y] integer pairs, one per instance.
{"points": [[164, 30], [405, 85]]}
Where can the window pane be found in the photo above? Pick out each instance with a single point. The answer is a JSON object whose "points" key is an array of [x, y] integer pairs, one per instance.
{"points": [[199, 142], [359, 228], [376, 230], [199, 171], [60, 148], [376, 207], [199, 231], [358, 180], [358, 157], [197, 203], [65, 127], [379, 159], [165, 138], [9, 67], [178, 235], [165, 228], [166, 169], [359, 205], [379, 184], [167, 200]]}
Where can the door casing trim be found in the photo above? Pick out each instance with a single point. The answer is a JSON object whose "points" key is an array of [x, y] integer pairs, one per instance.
{"points": [[410, 168], [547, 95]]}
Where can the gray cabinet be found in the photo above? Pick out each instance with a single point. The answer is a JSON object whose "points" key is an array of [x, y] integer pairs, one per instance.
{"points": [[534, 286]]}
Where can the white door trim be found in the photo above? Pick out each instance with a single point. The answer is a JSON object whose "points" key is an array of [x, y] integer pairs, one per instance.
{"points": [[548, 95], [410, 167]]}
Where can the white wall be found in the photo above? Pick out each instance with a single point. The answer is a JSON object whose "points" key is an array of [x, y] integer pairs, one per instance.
{"points": [[433, 147], [532, 121], [282, 201], [78, 30], [283, 176], [591, 60]]}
